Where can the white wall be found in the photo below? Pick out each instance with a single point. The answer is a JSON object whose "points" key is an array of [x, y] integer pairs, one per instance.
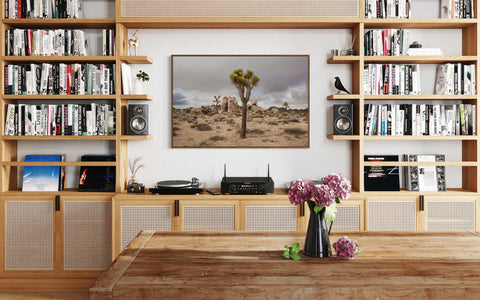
{"points": [[324, 156]]}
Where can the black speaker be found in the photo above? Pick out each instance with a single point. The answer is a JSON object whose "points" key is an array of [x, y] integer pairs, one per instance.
{"points": [[343, 119], [137, 119]]}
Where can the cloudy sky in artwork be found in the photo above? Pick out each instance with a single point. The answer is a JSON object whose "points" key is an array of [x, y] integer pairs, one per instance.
{"points": [[197, 79]]}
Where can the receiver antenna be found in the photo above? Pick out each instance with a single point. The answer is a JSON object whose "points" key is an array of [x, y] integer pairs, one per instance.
{"points": [[225, 170]]}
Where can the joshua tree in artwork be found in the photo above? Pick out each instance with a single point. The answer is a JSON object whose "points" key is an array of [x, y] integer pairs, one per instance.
{"points": [[216, 102], [244, 82]]}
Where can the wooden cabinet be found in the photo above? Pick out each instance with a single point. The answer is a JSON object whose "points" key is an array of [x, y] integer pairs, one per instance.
{"points": [[444, 213], [391, 213], [209, 215], [350, 216], [279, 215]]}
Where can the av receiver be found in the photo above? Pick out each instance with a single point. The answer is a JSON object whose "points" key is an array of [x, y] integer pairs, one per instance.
{"points": [[246, 185]]}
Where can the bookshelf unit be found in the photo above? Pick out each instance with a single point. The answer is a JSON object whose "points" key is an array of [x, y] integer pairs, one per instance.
{"points": [[58, 278]]}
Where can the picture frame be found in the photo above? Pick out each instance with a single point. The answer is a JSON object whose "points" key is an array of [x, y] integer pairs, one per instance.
{"points": [[240, 101]]}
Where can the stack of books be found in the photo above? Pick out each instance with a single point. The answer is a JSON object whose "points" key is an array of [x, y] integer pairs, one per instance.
{"points": [[455, 79], [391, 79]]}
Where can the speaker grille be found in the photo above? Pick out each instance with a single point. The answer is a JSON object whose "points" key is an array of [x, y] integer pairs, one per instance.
{"points": [[137, 218], [391, 215], [450, 215], [347, 218], [208, 218], [28, 235], [239, 8], [273, 218], [87, 235]]}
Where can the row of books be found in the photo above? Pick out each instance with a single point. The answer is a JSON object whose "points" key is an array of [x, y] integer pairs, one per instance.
{"points": [[43, 178], [108, 42], [386, 42], [380, 9], [62, 119], [457, 9], [455, 79], [419, 119], [415, 178], [391, 79], [39, 42], [43, 9], [59, 79]]}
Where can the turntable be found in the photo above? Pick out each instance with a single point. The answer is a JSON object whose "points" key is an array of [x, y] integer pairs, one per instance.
{"points": [[178, 187]]}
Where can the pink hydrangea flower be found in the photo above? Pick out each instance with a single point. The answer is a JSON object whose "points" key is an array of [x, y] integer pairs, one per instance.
{"points": [[346, 248], [300, 191], [341, 186], [323, 195]]}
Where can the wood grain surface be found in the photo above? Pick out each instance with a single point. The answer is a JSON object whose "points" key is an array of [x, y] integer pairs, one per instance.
{"points": [[240, 265]]}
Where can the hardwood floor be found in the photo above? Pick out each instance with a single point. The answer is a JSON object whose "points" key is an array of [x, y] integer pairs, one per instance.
{"points": [[43, 296]]}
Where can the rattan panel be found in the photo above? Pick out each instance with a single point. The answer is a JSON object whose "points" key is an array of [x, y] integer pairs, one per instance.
{"points": [[137, 218], [347, 218], [28, 235], [208, 218], [450, 215], [87, 234], [239, 8], [274, 218], [391, 215]]}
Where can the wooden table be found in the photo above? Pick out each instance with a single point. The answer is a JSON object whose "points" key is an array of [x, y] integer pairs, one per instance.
{"points": [[245, 265]]}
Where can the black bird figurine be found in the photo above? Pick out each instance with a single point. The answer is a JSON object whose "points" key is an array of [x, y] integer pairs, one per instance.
{"points": [[339, 86]]}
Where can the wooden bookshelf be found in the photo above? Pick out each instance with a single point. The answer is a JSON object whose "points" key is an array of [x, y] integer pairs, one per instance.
{"points": [[136, 59], [58, 137], [136, 97], [59, 97], [421, 163], [59, 163], [418, 23], [419, 59], [61, 23], [66, 59], [419, 97], [422, 137], [136, 137]]}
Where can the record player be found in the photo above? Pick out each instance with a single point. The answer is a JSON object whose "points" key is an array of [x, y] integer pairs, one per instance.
{"points": [[178, 187]]}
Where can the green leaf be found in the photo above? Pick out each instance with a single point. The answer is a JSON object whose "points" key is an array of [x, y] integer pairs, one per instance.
{"points": [[317, 208], [337, 200], [296, 257], [330, 212], [286, 254], [295, 247]]}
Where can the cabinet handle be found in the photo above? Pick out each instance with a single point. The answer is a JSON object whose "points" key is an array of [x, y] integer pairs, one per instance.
{"points": [[302, 210], [57, 202], [421, 203], [177, 208]]}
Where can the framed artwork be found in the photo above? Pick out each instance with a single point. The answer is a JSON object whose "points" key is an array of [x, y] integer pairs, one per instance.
{"points": [[240, 101]]}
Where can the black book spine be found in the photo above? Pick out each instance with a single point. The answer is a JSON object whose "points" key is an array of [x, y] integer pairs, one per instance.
{"points": [[65, 120], [427, 119], [6, 8], [12, 42], [84, 120], [389, 119], [22, 120], [15, 118], [5, 80], [58, 120], [24, 81]]}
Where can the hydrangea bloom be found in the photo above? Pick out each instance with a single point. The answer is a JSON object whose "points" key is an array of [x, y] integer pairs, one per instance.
{"points": [[341, 186], [324, 195], [300, 191], [346, 248]]}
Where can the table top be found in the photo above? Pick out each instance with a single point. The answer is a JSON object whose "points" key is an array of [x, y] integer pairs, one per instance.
{"points": [[200, 265]]}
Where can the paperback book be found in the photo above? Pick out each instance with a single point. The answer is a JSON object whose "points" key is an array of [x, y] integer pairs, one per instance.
{"points": [[381, 178], [43, 178]]}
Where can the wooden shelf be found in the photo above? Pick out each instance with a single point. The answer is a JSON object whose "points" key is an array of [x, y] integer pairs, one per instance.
{"points": [[58, 97], [425, 163], [419, 23], [64, 163], [136, 59], [60, 23], [420, 97], [403, 192], [137, 97], [239, 22], [40, 59], [421, 137], [343, 97], [136, 137], [57, 137], [419, 59], [343, 137], [66, 192], [343, 59]]}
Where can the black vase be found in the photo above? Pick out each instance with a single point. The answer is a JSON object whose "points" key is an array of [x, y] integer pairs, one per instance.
{"points": [[317, 241]]}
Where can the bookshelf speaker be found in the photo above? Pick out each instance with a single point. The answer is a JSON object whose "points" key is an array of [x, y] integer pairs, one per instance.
{"points": [[137, 119], [343, 119]]}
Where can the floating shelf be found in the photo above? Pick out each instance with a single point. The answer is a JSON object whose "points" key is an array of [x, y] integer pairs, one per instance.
{"points": [[60, 23], [343, 59], [420, 97], [344, 97], [419, 59], [64, 163], [403, 192], [343, 137], [59, 97], [419, 23], [137, 137], [57, 137], [136, 59], [40, 59], [66, 192], [421, 137], [422, 163], [137, 97]]}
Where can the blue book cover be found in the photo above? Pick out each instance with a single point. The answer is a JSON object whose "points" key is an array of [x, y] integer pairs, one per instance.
{"points": [[41, 178]]}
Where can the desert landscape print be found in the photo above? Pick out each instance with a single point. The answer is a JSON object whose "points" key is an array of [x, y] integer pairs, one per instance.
{"points": [[240, 101]]}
